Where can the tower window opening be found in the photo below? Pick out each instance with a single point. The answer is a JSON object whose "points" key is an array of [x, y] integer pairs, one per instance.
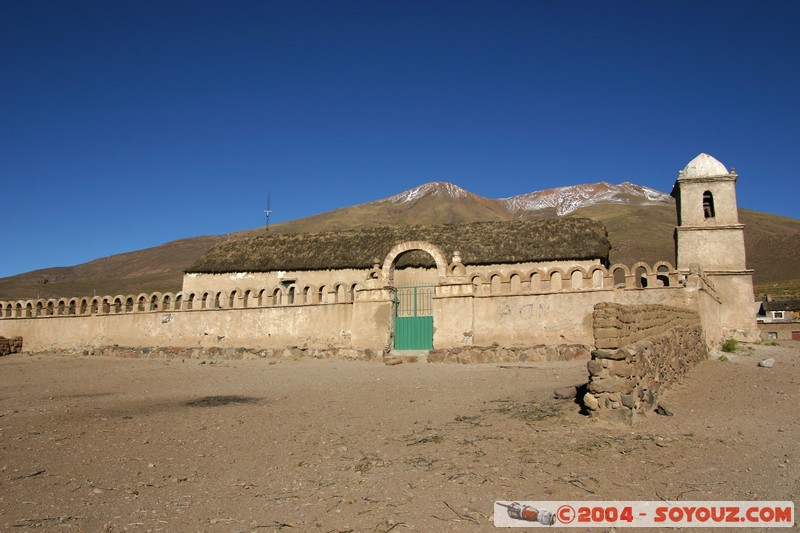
{"points": [[708, 205]]}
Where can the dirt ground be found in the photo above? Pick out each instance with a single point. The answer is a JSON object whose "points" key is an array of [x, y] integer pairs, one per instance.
{"points": [[93, 444]]}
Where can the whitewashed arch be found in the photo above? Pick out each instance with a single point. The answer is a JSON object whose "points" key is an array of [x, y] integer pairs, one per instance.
{"points": [[391, 259]]}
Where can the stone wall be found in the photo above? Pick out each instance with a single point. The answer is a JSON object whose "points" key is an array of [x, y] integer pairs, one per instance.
{"points": [[221, 353], [9, 346], [654, 347], [471, 355], [618, 325], [500, 354]]}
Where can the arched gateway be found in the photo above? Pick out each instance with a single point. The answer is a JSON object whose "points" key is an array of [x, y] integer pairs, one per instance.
{"points": [[412, 305]]}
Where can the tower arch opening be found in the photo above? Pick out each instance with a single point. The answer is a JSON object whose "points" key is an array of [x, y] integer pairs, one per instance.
{"points": [[708, 205]]}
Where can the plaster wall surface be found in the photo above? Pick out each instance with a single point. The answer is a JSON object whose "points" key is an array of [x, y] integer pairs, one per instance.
{"points": [[315, 326], [454, 321], [714, 248], [193, 282], [735, 290], [556, 318], [723, 192], [199, 282], [371, 325]]}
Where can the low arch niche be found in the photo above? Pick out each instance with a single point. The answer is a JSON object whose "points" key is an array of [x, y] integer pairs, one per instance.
{"points": [[495, 284], [619, 275], [641, 278], [663, 272], [477, 284]]}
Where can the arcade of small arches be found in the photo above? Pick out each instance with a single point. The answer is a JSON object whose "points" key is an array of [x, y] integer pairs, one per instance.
{"points": [[618, 276], [489, 283], [235, 299]]}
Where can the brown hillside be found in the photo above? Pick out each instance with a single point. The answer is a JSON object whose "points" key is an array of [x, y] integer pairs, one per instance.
{"points": [[636, 232], [153, 269]]}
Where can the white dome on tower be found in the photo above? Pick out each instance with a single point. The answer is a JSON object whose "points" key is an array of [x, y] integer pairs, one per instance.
{"points": [[703, 166]]}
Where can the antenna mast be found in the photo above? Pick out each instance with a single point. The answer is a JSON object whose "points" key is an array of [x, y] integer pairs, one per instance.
{"points": [[268, 211]]}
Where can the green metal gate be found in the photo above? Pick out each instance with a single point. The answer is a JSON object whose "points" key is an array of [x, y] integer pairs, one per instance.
{"points": [[413, 322]]}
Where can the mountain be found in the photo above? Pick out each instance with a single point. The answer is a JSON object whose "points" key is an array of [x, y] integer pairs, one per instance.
{"points": [[566, 200], [640, 222]]}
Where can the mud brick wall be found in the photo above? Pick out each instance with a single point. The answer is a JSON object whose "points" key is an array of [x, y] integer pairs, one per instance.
{"points": [[9, 346], [626, 381], [618, 325]]}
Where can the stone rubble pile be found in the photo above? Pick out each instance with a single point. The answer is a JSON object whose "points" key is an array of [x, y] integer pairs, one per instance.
{"points": [[498, 354], [9, 346]]}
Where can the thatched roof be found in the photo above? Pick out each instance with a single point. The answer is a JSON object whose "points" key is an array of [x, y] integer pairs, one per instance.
{"points": [[480, 243]]}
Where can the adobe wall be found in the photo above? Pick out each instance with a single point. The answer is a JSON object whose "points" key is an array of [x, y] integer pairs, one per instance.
{"points": [[552, 306], [646, 350], [691, 198], [331, 280], [198, 283], [737, 311], [271, 327], [513, 307], [700, 243]]}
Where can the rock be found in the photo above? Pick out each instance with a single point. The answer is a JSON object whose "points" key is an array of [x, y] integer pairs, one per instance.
{"points": [[583, 354], [621, 369], [596, 368], [590, 401], [436, 356], [766, 363], [628, 401], [392, 361], [480, 357], [565, 393], [664, 409], [612, 384], [608, 354]]}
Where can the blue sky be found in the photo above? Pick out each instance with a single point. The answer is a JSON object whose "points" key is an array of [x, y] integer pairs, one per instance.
{"points": [[125, 125]]}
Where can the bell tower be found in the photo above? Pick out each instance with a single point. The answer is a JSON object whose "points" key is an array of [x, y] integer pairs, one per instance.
{"points": [[709, 236]]}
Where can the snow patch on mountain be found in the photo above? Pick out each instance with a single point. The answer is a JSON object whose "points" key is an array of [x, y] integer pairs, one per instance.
{"points": [[434, 188], [565, 200]]}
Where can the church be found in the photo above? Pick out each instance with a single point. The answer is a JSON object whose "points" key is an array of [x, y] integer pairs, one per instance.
{"points": [[402, 289]]}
